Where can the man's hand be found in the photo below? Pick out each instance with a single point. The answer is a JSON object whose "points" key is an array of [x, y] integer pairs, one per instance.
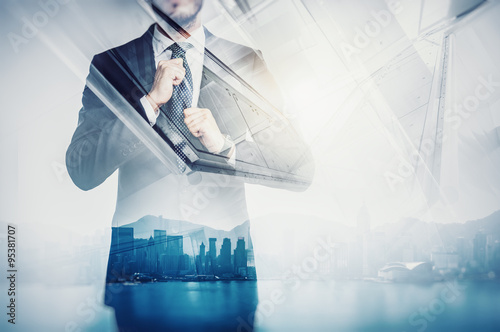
{"points": [[169, 73], [201, 124]]}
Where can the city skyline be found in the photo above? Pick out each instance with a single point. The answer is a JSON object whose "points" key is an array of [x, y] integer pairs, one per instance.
{"points": [[178, 255], [367, 253], [90, 253]]}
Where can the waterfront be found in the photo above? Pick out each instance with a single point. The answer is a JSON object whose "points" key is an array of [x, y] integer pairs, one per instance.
{"points": [[298, 306]]}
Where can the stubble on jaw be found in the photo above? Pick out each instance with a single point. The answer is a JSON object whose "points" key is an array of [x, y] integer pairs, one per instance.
{"points": [[184, 19]]}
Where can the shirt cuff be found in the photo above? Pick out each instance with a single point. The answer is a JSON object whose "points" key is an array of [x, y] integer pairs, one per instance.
{"points": [[232, 160], [151, 114]]}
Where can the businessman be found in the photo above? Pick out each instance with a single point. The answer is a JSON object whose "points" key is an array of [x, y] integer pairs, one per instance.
{"points": [[159, 75]]}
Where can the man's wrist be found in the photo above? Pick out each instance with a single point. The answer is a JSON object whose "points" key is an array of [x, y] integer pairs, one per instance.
{"points": [[151, 114], [153, 102], [227, 146]]}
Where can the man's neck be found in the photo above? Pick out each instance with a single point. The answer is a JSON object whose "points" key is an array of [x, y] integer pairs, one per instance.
{"points": [[172, 34]]}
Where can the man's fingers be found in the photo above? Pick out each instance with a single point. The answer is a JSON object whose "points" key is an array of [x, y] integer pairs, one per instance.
{"points": [[176, 75], [197, 125], [196, 120], [176, 80], [200, 116], [174, 65], [175, 62], [169, 66], [196, 130], [179, 68], [195, 110], [178, 61], [168, 73], [196, 133]]}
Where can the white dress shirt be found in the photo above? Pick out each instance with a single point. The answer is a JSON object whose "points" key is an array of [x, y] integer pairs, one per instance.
{"points": [[194, 57]]}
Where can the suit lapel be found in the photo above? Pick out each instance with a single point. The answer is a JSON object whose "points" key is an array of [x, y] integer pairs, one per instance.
{"points": [[145, 59], [139, 58]]}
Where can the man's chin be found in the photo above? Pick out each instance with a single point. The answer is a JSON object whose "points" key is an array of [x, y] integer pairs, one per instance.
{"points": [[182, 16]]}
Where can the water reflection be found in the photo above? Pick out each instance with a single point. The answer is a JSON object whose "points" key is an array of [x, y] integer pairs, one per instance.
{"points": [[184, 306], [308, 306]]}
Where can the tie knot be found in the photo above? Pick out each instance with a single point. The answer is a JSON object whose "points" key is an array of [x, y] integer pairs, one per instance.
{"points": [[179, 49]]}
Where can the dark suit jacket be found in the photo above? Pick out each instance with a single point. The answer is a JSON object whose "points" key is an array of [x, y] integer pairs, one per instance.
{"points": [[102, 143]]}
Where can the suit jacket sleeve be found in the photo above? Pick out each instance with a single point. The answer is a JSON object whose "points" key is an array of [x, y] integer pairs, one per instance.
{"points": [[101, 142]]}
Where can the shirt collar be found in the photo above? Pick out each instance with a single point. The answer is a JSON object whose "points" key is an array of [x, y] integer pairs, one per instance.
{"points": [[161, 42]]}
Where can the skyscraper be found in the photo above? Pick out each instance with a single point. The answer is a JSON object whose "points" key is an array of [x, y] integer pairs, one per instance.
{"points": [[174, 254], [121, 257], [355, 258], [340, 260], [212, 251], [363, 221], [225, 256], [479, 251], [374, 254], [122, 239], [461, 251], [201, 259], [240, 257], [175, 245], [212, 256], [160, 237], [158, 250], [494, 259], [152, 257]]}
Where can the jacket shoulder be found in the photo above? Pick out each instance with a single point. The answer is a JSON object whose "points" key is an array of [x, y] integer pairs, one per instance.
{"points": [[126, 51], [233, 54]]}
